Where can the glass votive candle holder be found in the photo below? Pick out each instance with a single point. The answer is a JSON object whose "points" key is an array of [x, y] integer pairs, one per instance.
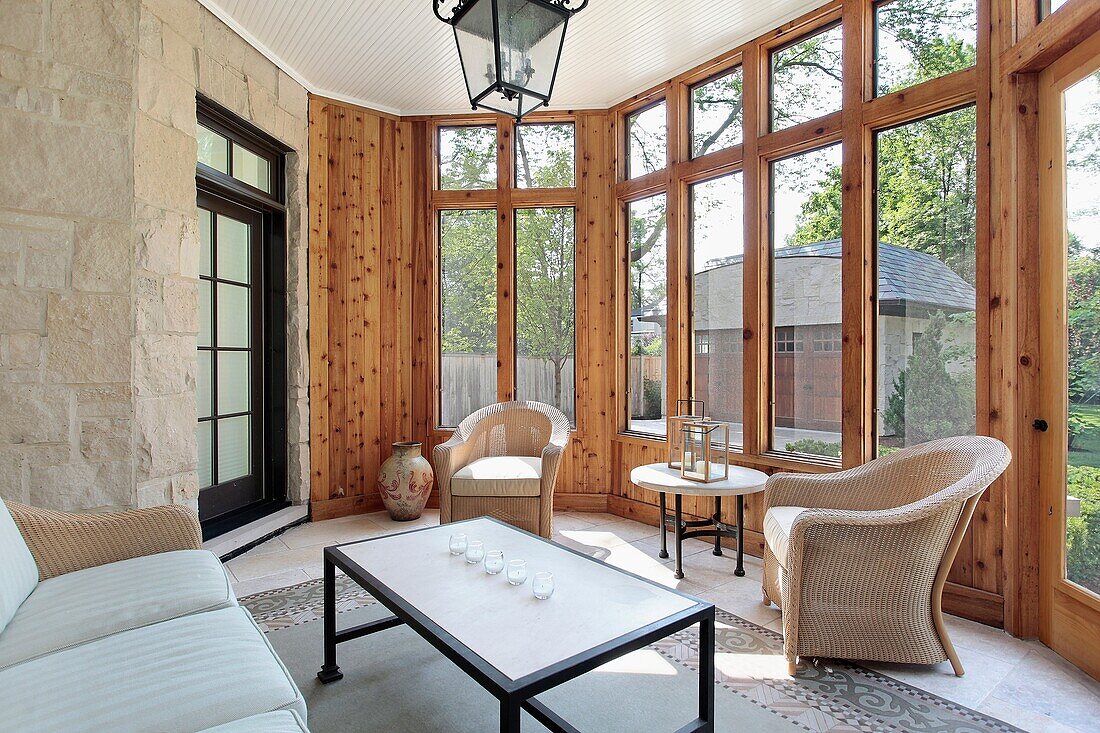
{"points": [[517, 572], [494, 561], [475, 551], [458, 544], [543, 585]]}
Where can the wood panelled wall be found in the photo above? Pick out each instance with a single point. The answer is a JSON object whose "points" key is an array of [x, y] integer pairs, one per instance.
{"points": [[373, 293], [367, 249]]}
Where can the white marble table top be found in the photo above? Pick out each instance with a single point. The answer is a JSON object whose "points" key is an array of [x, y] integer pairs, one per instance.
{"points": [[659, 477], [506, 625]]}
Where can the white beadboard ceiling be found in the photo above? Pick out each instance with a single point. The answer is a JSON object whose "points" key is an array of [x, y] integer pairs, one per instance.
{"points": [[397, 57]]}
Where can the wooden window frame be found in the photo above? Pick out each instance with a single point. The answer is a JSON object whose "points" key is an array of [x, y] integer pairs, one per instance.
{"points": [[853, 126], [506, 198]]}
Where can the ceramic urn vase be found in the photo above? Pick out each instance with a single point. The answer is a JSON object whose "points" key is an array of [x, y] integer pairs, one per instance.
{"points": [[404, 481]]}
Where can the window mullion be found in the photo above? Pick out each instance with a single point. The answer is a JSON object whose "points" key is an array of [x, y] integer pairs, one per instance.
{"points": [[506, 262]]}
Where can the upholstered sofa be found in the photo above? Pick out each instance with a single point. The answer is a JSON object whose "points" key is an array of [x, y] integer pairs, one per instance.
{"points": [[119, 622]]}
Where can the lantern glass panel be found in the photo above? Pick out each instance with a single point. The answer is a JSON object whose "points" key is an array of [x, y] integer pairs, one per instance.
{"points": [[687, 411], [530, 38], [476, 47]]}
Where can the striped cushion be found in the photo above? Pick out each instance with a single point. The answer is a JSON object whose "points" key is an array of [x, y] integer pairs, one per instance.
{"points": [[18, 571], [89, 604], [280, 721], [177, 676]]}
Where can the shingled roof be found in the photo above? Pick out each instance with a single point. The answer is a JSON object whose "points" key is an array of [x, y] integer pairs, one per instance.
{"points": [[904, 275]]}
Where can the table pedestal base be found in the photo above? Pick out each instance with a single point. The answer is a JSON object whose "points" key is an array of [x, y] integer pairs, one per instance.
{"points": [[714, 527]]}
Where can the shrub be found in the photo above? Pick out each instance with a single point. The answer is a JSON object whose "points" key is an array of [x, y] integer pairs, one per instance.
{"points": [[927, 402], [1083, 532], [811, 447], [651, 399]]}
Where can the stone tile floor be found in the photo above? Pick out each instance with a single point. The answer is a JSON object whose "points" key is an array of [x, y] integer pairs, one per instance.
{"points": [[1020, 682]]}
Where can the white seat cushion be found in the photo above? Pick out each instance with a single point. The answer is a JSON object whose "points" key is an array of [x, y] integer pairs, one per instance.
{"points": [[499, 476], [177, 676], [18, 570], [777, 529], [89, 604], [279, 721]]}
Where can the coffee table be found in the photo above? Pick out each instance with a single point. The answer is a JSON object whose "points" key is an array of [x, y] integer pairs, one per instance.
{"points": [[661, 478], [506, 640]]}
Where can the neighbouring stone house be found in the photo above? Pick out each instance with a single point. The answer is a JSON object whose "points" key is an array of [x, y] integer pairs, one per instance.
{"points": [[807, 317]]}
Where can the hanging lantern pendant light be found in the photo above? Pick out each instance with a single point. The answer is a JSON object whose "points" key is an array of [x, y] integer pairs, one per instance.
{"points": [[509, 49]]}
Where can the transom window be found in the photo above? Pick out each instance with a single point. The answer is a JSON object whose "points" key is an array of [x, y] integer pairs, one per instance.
{"points": [[918, 40], [545, 155], [806, 78], [716, 112], [226, 154], [646, 141]]}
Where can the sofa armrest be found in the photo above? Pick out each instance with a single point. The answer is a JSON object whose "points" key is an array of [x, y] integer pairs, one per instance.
{"points": [[62, 542]]}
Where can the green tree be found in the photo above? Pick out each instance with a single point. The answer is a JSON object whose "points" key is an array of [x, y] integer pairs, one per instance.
{"points": [[928, 402]]}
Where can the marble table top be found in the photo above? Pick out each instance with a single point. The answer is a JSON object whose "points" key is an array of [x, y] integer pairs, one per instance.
{"points": [[593, 603], [659, 477]]}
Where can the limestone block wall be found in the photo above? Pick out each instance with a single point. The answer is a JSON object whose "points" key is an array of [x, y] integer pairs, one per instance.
{"points": [[99, 244]]}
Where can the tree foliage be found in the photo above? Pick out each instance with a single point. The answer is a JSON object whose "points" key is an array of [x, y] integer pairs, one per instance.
{"points": [[928, 402]]}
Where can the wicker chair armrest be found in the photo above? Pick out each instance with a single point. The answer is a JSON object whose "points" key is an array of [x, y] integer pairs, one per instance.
{"points": [[449, 457], [551, 461], [63, 542]]}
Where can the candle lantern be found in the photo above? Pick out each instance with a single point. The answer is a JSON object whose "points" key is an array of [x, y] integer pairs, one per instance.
{"points": [[686, 411], [702, 443]]}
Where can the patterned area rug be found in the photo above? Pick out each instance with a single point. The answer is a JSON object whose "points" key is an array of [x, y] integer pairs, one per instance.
{"points": [[830, 696]]}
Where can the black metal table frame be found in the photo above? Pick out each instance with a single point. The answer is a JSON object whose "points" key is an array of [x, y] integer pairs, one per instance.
{"points": [[716, 528], [514, 695]]}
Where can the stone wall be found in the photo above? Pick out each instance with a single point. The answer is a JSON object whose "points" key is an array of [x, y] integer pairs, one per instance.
{"points": [[99, 244]]}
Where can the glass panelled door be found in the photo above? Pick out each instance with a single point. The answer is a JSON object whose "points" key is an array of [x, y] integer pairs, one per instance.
{"points": [[1070, 333], [230, 356]]}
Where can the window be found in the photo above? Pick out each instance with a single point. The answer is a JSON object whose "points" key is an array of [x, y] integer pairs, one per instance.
{"points": [[805, 211], [646, 145], [545, 309], [717, 253], [918, 40], [225, 153], [926, 198], [827, 338], [240, 381], [545, 155], [468, 305], [786, 341], [467, 157], [806, 79], [648, 285], [716, 110]]}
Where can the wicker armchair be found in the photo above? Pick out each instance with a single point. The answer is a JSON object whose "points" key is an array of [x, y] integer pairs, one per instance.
{"points": [[857, 559], [64, 542], [502, 461]]}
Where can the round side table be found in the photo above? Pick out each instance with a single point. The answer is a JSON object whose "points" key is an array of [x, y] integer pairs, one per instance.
{"points": [[664, 480]]}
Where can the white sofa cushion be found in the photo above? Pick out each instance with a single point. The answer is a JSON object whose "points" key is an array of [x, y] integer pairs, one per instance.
{"points": [[279, 721], [89, 604], [777, 529], [18, 571], [499, 476], [177, 676]]}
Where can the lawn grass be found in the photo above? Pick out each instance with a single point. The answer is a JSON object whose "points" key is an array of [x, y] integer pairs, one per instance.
{"points": [[1087, 449]]}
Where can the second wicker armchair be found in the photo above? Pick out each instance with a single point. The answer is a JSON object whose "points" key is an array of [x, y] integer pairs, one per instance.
{"points": [[858, 559], [502, 461]]}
